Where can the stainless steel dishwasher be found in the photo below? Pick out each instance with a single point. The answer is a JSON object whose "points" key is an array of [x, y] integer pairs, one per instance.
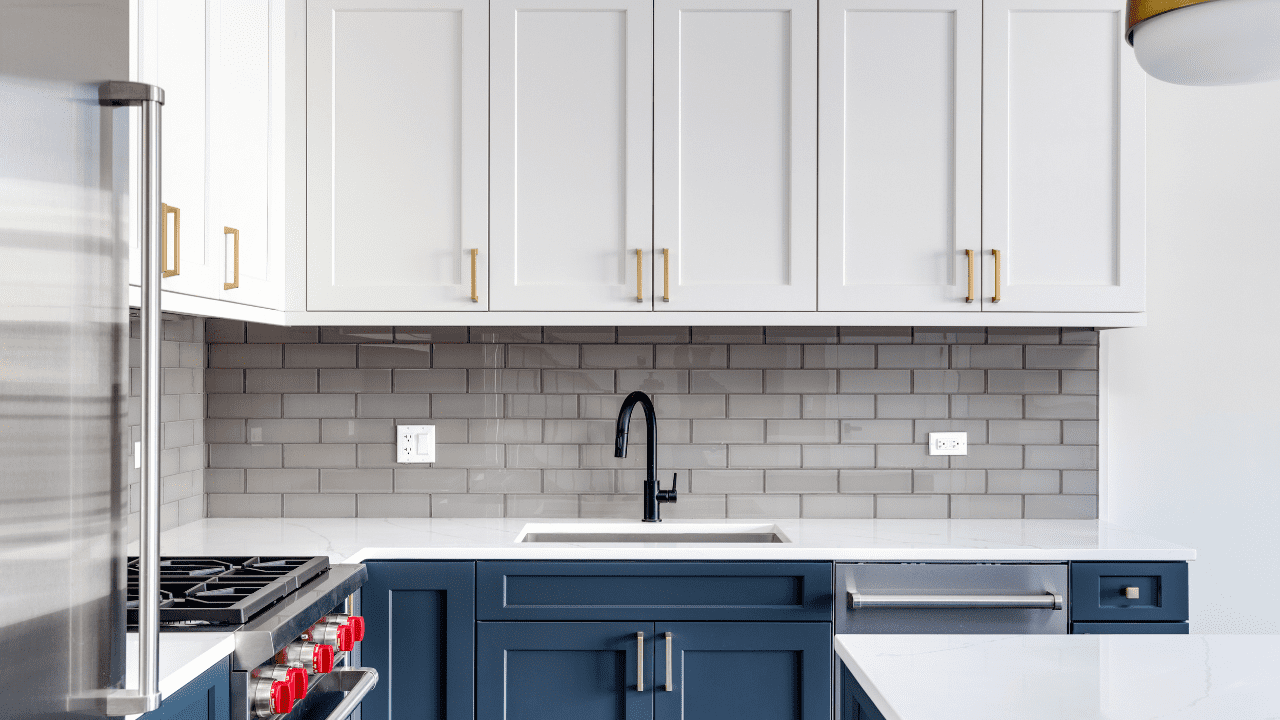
{"points": [[957, 598]]}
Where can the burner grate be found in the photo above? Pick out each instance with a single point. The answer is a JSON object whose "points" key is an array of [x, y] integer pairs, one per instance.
{"points": [[213, 593]]}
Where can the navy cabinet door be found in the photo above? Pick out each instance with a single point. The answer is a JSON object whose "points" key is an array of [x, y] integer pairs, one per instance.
{"points": [[205, 698], [564, 671], [419, 619], [743, 671]]}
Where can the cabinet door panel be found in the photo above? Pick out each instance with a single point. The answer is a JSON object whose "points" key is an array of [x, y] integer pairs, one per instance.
{"points": [[397, 104], [571, 163], [736, 153], [1063, 157], [901, 119], [246, 147], [744, 671], [552, 671]]}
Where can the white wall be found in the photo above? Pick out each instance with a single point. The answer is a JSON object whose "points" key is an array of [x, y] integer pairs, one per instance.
{"points": [[1193, 400]]}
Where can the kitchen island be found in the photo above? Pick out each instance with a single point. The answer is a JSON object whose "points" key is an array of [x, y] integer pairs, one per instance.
{"points": [[1065, 677]]}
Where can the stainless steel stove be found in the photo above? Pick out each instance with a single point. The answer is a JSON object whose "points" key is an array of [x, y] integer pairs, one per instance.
{"points": [[296, 623]]}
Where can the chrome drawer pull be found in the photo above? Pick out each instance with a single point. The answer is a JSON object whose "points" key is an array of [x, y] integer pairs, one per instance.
{"points": [[1046, 601], [640, 662]]}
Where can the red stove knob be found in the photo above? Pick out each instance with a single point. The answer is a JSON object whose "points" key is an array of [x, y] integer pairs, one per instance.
{"points": [[322, 659], [356, 623], [298, 682], [281, 697], [345, 638]]}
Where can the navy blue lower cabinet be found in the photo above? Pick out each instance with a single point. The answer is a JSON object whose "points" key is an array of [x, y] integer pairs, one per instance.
{"points": [[854, 703], [419, 635], [205, 698], [1119, 628], [564, 671], [742, 671]]}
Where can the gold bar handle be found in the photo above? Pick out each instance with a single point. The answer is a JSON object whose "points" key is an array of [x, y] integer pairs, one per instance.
{"points": [[996, 297], [475, 295], [165, 210], [235, 234], [969, 254], [670, 685], [666, 274], [639, 662], [639, 275]]}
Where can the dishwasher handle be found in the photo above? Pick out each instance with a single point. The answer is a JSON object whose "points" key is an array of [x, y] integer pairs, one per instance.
{"points": [[1043, 601]]}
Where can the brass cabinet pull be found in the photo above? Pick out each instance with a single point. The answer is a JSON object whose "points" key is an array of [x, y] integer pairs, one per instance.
{"points": [[640, 662], [666, 276], [969, 254], [235, 234], [670, 685], [164, 240], [475, 296], [1132, 593], [996, 298], [639, 275]]}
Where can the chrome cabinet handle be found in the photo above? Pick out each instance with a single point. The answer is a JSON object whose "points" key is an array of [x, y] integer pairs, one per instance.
{"points": [[666, 274], [165, 211], [639, 275], [639, 662], [670, 685], [996, 297], [969, 255], [475, 296], [1045, 601], [235, 234]]}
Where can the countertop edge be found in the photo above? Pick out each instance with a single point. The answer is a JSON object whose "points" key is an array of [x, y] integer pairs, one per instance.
{"points": [[645, 552], [174, 679], [873, 693]]}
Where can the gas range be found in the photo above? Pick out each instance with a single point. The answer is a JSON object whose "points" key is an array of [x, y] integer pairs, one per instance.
{"points": [[295, 622]]}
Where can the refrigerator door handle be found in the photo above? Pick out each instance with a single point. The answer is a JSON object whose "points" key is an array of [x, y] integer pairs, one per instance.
{"points": [[148, 98]]}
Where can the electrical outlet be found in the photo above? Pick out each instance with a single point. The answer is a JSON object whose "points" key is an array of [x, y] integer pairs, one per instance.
{"points": [[415, 443], [948, 443]]}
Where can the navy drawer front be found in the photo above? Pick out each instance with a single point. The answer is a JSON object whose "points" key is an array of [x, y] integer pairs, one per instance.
{"points": [[653, 591], [1158, 628], [1098, 592]]}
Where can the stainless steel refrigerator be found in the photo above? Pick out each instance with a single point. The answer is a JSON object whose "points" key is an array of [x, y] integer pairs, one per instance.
{"points": [[66, 219]]}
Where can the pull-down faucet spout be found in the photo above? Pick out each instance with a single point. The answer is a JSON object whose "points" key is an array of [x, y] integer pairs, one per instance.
{"points": [[652, 495]]}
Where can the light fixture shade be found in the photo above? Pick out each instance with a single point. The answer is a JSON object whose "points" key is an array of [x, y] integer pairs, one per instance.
{"points": [[1207, 42]]}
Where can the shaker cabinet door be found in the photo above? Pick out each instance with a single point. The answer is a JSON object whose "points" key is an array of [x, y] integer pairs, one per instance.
{"points": [[245, 220], [571, 164], [397, 153], [900, 114], [1063, 158], [556, 671], [735, 138], [742, 671]]}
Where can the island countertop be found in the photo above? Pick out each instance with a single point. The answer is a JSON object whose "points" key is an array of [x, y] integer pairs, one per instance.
{"points": [[1066, 677], [359, 539]]}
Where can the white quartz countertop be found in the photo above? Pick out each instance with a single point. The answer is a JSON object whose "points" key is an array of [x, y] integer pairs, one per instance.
{"points": [[183, 656], [359, 539], [1067, 677]]}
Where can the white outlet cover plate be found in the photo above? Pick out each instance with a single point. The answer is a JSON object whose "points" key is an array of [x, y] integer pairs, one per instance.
{"points": [[415, 443], [948, 443]]}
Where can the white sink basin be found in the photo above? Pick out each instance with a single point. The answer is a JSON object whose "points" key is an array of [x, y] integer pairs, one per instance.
{"points": [[651, 533]]}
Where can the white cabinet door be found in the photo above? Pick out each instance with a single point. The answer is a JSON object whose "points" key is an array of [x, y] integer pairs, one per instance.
{"points": [[901, 144], [397, 155], [1063, 158], [735, 138], [571, 164], [246, 148]]}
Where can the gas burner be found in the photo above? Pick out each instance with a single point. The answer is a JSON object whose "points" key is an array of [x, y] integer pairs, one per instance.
{"points": [[215, 593]]}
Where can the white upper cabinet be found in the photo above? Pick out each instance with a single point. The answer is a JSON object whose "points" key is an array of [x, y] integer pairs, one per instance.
{"points": [[901, 146], [735, 138], [1063, 158], [245, 43], [397, 155], [571, 155]]}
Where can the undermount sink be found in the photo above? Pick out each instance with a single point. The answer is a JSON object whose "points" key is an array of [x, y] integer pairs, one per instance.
{"points": [[650, 533]]}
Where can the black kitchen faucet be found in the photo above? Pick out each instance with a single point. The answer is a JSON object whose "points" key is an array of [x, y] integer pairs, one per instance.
{"points": [[652, 495]]}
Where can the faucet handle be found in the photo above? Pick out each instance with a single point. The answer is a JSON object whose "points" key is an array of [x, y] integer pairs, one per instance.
{"points": [[668, 496]]}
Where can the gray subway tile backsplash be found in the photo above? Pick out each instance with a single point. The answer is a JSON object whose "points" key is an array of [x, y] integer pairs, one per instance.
{"points": [[757, 422]]}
